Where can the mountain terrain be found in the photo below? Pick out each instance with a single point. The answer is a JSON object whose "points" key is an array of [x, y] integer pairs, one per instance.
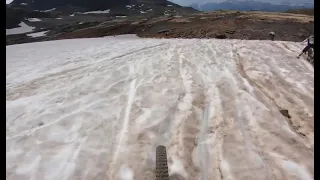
{"points": [[248, 5], [32, 21], [81, 6], [226, 101], [19, 10]]}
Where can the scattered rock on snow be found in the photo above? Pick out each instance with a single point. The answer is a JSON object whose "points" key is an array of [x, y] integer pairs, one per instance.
{"points": [[221, 36], [285, 113]]}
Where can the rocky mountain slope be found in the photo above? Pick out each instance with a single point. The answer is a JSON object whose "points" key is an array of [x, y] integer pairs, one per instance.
{"points": [[219, 24], [72, 6], [146, 18], [14, 16], [19, 10]]}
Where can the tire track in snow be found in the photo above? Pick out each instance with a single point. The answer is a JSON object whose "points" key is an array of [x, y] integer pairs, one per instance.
{"points": [[249, 90], [31, 131], [203, 149], [229, 98], [28, 88], [120, 149], [183, 148], [271, 87], [145, 134], [216, 127], [264, 152], [124, 131]]}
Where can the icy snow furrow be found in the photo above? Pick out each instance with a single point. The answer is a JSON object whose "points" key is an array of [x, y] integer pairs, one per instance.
{"points": [[98, 108]]}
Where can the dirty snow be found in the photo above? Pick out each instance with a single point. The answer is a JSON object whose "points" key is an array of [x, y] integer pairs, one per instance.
{"points": [[38, 34], [34, 19], [8, 1], [97, 108], [24, 28], [98, 12], [23, 4], [142, 12]]}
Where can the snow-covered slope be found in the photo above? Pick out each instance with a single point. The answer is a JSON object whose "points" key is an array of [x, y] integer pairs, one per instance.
{"points": [[8, 1], [24, 28], [97, 109], [38, 34]]}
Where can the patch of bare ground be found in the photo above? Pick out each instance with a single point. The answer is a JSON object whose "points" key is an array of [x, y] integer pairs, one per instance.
{"points": [[279, 16], [219, 24]]}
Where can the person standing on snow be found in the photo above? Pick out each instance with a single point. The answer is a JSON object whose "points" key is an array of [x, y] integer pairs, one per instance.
{"points": [[309, 45], [272, 35]]}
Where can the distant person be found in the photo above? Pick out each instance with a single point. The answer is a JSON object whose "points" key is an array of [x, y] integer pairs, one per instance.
{"points": [[272, 35], [309, 45]]}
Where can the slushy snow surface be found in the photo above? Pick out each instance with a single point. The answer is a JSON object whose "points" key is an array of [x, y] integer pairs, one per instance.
{"points": [[98, 108], [24, 28]]}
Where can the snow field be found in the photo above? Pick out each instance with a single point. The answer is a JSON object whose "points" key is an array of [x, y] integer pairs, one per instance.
{"points": [[97, 108]]}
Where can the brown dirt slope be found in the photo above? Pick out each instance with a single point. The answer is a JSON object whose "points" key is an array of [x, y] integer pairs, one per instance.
{"points": [[307, 11], [219, 24]]}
